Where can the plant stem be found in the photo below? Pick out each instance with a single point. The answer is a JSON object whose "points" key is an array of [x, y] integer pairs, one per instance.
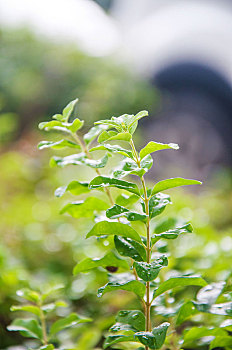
{"points": [[86, 151], [148, 248], [43, 325]]}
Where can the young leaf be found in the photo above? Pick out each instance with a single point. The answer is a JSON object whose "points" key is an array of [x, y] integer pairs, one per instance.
{"points": [[29, 328], [114, 339], [93, 133], [156, 146], [53, 125], [58, 144], [113, 149], [173, 182], [74, 187], [69, 321], [103, 181], [172, 234], [112, 135], [123, 281], [75, 125], [28, 308], [125, 200], [181, 281], [129, 247], [79, 159], [85, 208], [130, 167], [154, 339], [118, 211], [135, 319], [113, 228], [149, 271], [195, 333], [67, 111], [110, 259], [158, 203], [28, 294]]}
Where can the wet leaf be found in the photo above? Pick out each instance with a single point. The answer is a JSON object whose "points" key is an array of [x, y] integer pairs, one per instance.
{"points": [[187, 310], [173, 182], [67, 111], [158, 203], [28, 308], [58, 144], [113, 228], [114, 339], [118, 211], [113, 149], [148, 272], [129, 247], [28, 294], [181, 281], [154, 339], [123, 281], [79, 159], [172, 234], [156, 146], [195, 333], [110, 259], [221, 341], [85, 208], [125, 200], [103, 181], [74, 187], [135, 320], [93, 133]]}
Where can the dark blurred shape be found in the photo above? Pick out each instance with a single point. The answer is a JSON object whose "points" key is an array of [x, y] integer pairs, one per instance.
{"points": [[196, 112]]}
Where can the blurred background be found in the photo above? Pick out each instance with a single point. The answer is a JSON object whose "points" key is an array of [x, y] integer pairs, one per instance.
{"points": [[171, 57]]}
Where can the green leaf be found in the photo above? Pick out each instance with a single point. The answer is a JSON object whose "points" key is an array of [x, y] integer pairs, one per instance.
{"points": [[75, 125], [221, 342], [172, 234], [93, 133], [123, 281], [112, 135], [174, 182], [181, 281], [125, 200], [130, 167], [135, 319], [28, 308], [114, 339], [154, 339], [66, 322], [210, 293], [74, 187], [156, 146], [85, 208], [149, 271], [195, 333], [129, 247], [105, 135], [113, 228], [29, 328], [58, 144], [28, 294], [113, 149], [158, 203], [47, 347], [67, 111], [216, 309], [187, 310], [103, 181], [118, 211], [53, 125], [109, 259], [79, 159]]}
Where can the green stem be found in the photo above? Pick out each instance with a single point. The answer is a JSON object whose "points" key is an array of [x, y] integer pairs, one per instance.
{"points": [[43, 325], [148, 247]]}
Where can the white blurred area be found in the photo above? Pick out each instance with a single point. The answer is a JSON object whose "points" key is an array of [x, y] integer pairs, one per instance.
{"points": [[146, 34]]}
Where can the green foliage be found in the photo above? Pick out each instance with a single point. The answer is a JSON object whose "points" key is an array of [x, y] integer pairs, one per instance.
{"points": [[39, 307], [131, 241]]}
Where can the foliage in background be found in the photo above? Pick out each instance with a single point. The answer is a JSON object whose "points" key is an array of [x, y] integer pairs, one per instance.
{"points": [[129, 244], [38, 77]]}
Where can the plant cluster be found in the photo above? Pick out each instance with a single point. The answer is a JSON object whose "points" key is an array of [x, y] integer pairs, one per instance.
{"points": [[137, 261]]}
